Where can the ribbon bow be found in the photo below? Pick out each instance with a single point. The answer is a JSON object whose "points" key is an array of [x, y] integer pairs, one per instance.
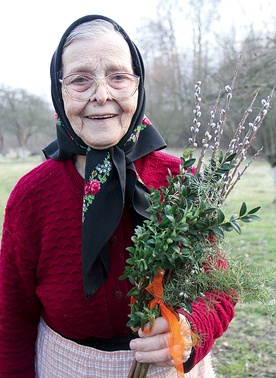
{"points": [[177, 345]]}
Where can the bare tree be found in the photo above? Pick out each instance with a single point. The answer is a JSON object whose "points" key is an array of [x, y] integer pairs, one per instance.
{"points": [[166, 72], [172, 70], [23, 115], [202, 14]]}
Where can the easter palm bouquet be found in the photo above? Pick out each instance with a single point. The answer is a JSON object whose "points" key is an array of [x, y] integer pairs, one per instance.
{"points": [[178, 254]]}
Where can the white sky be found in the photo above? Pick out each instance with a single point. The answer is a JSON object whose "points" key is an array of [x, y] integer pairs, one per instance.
{"points": [[31, 29]]}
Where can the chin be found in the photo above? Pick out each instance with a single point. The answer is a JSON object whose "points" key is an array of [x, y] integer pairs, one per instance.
{"points": [[102, 146]]}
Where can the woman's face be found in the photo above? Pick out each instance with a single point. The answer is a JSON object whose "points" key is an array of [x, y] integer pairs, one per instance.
{"points": [[100, 121]]}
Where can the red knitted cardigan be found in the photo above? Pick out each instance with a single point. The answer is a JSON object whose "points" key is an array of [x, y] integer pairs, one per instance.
{"points": [[41, 275]]}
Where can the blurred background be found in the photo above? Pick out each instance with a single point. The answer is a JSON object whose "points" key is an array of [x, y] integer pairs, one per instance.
{"points": [[182, 42]]}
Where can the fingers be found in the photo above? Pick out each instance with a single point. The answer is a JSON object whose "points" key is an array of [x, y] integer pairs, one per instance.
{"points": [[153, 346], [148, 351], [186, 355], [160, 326], [188, 350], [187, 336], [151, 343]]}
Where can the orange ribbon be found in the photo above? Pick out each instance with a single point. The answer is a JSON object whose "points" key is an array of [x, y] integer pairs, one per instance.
{"points": [[177, 345]]}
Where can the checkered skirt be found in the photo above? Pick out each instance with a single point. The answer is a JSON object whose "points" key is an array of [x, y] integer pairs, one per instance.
{"points": [[57, 357]]}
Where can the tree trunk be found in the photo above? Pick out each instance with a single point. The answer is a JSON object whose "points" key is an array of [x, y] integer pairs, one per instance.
{"points": [[1, 144], [274, 175]]}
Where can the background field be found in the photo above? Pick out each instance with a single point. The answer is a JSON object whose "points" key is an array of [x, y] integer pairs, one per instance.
{"points": [[247, 349]]}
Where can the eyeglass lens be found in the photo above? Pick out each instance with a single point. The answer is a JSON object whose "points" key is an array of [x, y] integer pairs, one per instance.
{"points": [[119, 86]]}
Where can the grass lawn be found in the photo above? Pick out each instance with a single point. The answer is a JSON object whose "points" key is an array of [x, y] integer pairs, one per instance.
{"points": [[247, 349], [11, 169]]}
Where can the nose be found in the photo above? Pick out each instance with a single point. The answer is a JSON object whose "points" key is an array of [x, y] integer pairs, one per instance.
{"points": [[101, 94]]}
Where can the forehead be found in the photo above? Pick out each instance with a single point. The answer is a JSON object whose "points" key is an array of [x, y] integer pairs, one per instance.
{"points": [[100, 52]]}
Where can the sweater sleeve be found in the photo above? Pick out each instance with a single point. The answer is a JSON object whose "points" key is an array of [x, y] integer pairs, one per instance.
{"points": [[210, 318], [19, 306]]}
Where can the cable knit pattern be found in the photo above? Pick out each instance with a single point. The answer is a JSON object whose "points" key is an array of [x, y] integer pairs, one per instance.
{"points": [[40, 267]]}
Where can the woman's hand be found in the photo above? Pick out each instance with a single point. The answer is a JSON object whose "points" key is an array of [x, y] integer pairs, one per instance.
{"points": [[153, 347]]}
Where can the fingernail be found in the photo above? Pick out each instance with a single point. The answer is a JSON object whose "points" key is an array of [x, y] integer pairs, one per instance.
{"points": [[139, 357], [132, 345]]}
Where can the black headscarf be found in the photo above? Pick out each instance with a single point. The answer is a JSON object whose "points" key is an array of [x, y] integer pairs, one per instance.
{"points": [[110, 176]]}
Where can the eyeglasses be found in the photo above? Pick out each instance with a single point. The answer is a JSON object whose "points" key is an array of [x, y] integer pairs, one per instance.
{"points": [[82, 86]]}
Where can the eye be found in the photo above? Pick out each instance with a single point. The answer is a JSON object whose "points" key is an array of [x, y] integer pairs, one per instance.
{"points": [[78, 82], [120, 79], [119, 76]]}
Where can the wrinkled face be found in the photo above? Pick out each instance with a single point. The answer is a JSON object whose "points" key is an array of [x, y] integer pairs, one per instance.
{"points": [[100, 121]]}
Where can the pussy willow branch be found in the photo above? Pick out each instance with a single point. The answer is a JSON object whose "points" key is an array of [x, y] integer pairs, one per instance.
{"points": [[138, 370], [197, 114], [242, 147], [213, 124], [234, 143], [222, 118], [230, 187], [220, 124]]}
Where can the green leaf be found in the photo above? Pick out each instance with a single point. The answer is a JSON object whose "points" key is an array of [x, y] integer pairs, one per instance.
{"points": [[189, 163], [228, 166], [218, 231], [175, 248], [164, 223], [170, 262], [200, 225], [185, 251], [187, 152], [236, 227], [145, 264], [254, 210], [234, 217], [186, 191], [131, 249], [131, 261], [213, 164], [209, 210], [225, 168], [144, 285], [221, 216], [246, 219], [255, 217], [230, 157], [171, 218], [243, 209], [139, 313], [131, 279], [227, 226], [220, 156], [132, 292], [188, 307]]}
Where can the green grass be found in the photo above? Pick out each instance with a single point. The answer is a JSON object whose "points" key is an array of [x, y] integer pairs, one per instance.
{"points": [[258, 239], [247, 349], [11, 169]]}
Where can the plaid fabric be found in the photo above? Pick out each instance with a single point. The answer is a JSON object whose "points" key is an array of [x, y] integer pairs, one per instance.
{"points": [[204, 369], [57, 357]]}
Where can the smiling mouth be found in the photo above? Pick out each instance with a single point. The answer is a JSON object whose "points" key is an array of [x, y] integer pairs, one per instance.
{"points": [[101, 116]]}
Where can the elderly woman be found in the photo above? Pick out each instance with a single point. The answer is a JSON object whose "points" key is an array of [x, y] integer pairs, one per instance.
{"points": [[63, 310]]}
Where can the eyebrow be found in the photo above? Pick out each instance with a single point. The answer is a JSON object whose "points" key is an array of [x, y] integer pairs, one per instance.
{"points": [[109, 69]]}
